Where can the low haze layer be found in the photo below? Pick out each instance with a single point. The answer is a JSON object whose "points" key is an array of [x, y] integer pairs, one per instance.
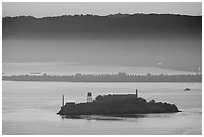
{"points": [[148, 40]]}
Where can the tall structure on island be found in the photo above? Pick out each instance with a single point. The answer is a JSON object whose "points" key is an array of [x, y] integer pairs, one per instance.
{"points": [[136, 94], [62, 100], [89, 97]]}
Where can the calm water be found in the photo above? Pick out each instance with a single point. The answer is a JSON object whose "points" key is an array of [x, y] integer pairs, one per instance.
{"points": [[31, 107]]}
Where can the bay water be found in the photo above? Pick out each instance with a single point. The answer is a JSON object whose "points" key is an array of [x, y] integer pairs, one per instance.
{"points": [[30, 108]]}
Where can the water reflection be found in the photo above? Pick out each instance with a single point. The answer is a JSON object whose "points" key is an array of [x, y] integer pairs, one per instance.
{"points": [[113, 117]]}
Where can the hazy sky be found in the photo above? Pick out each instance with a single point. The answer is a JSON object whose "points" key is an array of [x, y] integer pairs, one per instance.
{"points": [[40, 9]]}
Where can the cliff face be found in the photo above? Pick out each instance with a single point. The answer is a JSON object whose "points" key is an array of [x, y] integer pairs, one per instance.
{"points": [[129, 105], [124, 25]]}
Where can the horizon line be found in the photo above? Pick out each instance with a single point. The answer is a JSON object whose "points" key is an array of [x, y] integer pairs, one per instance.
{"points": [[111, 14]]}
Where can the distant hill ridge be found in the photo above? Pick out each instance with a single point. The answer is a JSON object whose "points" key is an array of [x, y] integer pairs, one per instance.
{"points": [[113, 25]]}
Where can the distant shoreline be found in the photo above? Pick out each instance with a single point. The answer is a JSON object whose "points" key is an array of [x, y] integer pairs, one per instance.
{"points": [[109, 81], [120, 77]]}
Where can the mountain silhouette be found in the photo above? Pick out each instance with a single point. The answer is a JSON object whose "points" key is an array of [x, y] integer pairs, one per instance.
{"points": [[110, 26]]}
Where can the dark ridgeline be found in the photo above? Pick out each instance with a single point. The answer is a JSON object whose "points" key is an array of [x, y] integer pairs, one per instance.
{"points": [[120, 77], [117, 105], [111, 26], [124, 26]]}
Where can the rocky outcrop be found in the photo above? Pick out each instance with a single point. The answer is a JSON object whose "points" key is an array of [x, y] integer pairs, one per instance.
{"points": [[117, 104]]}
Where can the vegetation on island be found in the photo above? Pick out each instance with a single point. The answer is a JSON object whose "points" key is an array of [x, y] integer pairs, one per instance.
{"points": [[117, 105]]}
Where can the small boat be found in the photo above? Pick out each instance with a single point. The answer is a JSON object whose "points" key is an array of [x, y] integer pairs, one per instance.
{"points": [[187, 89]]}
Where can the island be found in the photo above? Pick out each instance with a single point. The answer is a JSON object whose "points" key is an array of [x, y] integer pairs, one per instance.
{"points": [[117, 105]]}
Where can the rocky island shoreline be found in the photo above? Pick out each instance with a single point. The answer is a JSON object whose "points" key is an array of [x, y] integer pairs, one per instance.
{"points": [[116, 105]]}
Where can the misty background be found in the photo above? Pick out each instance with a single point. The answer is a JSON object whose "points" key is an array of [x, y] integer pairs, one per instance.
{"points": [[137, 43]]}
